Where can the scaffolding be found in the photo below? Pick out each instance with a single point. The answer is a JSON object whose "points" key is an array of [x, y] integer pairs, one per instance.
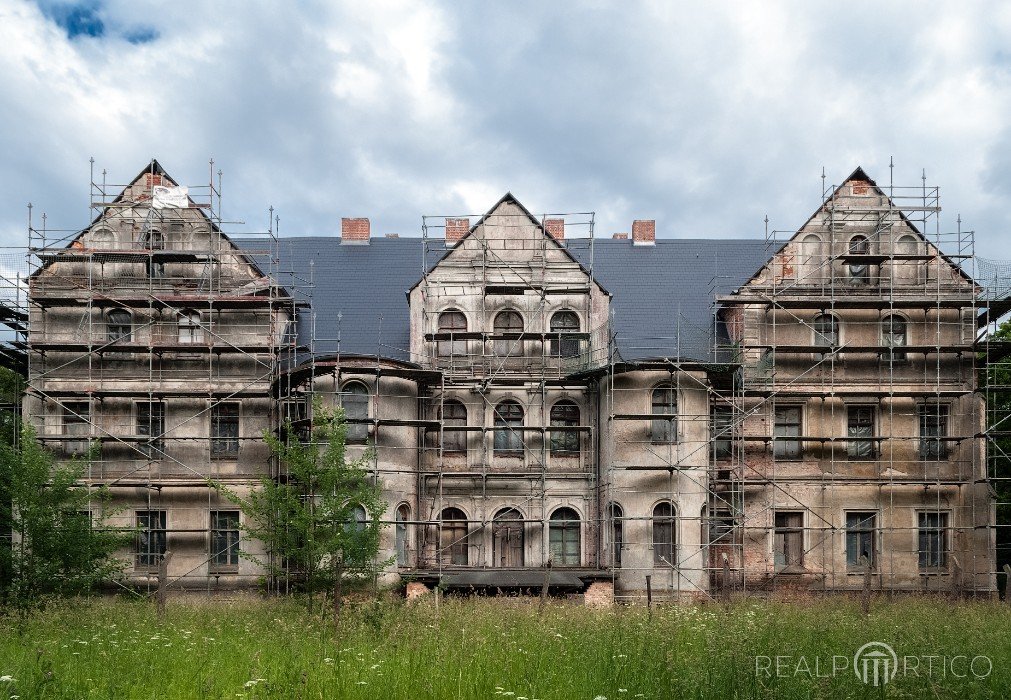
{"points": [[150, 344]]}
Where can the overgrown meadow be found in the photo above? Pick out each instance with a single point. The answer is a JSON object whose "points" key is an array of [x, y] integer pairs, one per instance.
{"points": [[498, 648]]}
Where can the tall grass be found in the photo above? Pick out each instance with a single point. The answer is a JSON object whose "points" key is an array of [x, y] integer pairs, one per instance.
{"points": [[489, 648]]}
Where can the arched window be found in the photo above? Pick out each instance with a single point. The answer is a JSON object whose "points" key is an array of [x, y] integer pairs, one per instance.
{"points": [[563, 537], [452, 321], [360, 518], [190, 330], [403, 542], [665, 403], [508, 428], [616, 515], [826, 331], [907, 270], [119, 325], [563, 345], [453, 537], [354, 398], [664, 549], [507, 538], [811, 255], [565, 443], [906, 245], [893, 337], [454, 414], [859, 270], [508, 323]]}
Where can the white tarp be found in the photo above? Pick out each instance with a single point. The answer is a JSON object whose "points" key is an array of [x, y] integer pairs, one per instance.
{"points": [[170, 197]]}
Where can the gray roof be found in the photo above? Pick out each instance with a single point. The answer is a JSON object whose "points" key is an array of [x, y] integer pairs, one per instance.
{"points": [[662, 295]]}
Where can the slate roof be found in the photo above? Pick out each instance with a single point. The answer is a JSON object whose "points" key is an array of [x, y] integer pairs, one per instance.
{"points": [[662, 295]]}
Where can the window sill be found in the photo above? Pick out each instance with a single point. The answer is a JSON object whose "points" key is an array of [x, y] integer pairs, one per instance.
{"points": [[224, 570], [511, 453]]}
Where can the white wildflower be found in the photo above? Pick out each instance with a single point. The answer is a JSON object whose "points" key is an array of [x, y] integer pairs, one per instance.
{"points": [[7, 679]]}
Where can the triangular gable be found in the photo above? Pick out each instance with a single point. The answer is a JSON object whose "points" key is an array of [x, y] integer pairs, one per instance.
{"points": [[154, 168], [858, 175], [507, 198]]}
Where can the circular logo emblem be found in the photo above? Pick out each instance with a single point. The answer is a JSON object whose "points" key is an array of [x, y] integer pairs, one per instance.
{"points": [[875, 663]]}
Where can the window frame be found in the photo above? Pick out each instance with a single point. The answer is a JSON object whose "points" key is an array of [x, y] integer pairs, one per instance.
{"points": [[454, 441], [663, 530], [788, 547], [357, 433], [191, 332], [71, 418], [508, 348], [563, 532], [564, 443], [894, 353], [560, 346], [664, 431], [453, 548], [151, 543], [224, 446], [616, 515], [721, 432], [119, 328], [225, 541], [153, 427], [780, 449], [508, 525], [933, 447], [858, 244], [451, 348], [857, 533], [506, 440], [941, 532], [402, 533], [861, 447]]}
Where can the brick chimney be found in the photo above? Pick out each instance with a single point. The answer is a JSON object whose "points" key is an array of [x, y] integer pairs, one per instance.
{"points": [[456, 229], [355, 231], [555, 228], [644, 232]]}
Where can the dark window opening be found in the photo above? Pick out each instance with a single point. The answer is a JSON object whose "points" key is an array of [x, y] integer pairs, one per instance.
{"points": [[565, 443]]}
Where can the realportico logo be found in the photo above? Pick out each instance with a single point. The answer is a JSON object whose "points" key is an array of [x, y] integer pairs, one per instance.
{"points": [[876, 664]]}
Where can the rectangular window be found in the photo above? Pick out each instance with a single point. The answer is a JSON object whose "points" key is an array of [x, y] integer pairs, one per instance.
{"points": [[789, 539], [933, 430], [225, 430], [224, 540], [76, 423], [151, 425], [860, 432], [722, 427], [860, 538], [933, 540], [787, 427], [150, 538]]}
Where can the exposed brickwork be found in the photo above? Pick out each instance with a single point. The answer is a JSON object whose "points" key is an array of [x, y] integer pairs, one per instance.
{"points": [[860, 187], [555, 228], [355, 229], [644, 231], [600, 594], [456, 229]]}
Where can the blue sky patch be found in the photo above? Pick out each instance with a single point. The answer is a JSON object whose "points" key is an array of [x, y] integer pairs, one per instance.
{"points": [[78, 19]]}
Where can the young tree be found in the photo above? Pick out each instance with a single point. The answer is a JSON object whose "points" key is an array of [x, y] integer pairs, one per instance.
{"points": [[997, 379], [60, 546], [320, 519]]}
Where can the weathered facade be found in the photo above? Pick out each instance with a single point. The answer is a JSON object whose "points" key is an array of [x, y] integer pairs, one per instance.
{"points": [[683, 416]]}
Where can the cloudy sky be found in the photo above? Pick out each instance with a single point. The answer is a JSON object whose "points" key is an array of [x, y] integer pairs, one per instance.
{"points": [[704, 116]]}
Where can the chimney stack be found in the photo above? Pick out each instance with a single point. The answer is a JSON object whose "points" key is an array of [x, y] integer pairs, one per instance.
{"points": [[555, 228], [355, 231], [456, 229], [644, 232]]}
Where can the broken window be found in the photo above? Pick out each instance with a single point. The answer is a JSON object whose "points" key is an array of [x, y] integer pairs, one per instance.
{"points": [[76, 423], [150, 543], [664, 403], [402, 541], [565, 443], [789, 539], [617, 533], [664, 550], [354, 399], [151, 427], [933, 430], [225, 430], [190, 330], [722, 432], [893, 337], [860, 538], [563, 537], [787, 432], [452, 321], [454, 414], [508, 428], [933, 540], [119, 325], [510, 325], [859, 270], [224, 540], [507, 538], [453, 537], [860, 432], [562, 344]]}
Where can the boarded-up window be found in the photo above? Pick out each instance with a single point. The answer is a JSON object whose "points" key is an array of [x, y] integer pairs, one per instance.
{"points": [[787, 430], [789, 539], [507, 538]]}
